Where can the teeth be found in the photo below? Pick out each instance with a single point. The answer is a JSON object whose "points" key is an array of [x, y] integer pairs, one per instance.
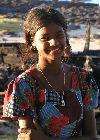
{"points": [[58, 49]]}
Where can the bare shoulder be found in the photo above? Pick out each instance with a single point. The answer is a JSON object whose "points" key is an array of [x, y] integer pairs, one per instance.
{"points": [[30, 71]]}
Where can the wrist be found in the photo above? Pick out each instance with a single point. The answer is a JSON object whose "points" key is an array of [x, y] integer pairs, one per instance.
{"points": [[25, 130]]}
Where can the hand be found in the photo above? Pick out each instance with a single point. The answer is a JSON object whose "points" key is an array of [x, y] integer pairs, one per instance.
{"points": [[33, 135]]}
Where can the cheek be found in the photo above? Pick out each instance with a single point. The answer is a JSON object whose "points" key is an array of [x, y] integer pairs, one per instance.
{"points": [[64, 42], [43, 47]]}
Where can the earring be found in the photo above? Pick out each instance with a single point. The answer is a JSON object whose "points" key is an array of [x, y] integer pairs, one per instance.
{"points": [[67, 51], [67, 54], [33, 49]]}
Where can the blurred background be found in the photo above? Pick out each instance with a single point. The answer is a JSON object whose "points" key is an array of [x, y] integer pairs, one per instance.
{"points": [[83, 19]]}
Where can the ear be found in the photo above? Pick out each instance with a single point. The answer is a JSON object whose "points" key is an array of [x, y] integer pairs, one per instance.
{"points": [[33, 48], [33, 44]]}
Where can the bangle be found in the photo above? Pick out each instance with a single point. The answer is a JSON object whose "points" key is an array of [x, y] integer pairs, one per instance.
{"points": [[24, 134], [25, 130]]}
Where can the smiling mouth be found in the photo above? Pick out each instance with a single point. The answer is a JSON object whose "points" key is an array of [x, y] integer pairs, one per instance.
{"points": [[58, 49], [55, 50]]}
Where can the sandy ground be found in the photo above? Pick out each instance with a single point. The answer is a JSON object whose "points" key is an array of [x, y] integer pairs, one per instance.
{"points": [[77, 44]]}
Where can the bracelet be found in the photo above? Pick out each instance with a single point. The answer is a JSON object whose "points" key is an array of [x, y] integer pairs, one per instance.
{"points": [[24, 134], [25, 130], [28, 130]]}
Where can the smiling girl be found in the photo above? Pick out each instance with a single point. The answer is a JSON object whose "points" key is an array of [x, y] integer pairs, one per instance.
{"points": [[51, 100]]}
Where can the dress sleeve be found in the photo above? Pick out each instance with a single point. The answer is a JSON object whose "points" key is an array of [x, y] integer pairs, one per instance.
{"points": [[90, 91], [19, 99]]}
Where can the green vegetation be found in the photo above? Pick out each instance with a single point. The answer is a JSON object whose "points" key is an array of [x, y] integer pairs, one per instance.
{"points": [[9, 130], [13, 24]]}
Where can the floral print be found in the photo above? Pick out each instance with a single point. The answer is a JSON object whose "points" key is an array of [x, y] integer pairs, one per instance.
{"points": [[87, 100], [55, 124], [42, 96], [26, 96]]}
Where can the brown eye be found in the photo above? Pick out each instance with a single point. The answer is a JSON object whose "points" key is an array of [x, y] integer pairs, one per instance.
{"points": [[45, 38], [60, 35]]}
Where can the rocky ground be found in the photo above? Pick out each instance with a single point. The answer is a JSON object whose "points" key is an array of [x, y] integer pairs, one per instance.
{"points": [[75, 14]]}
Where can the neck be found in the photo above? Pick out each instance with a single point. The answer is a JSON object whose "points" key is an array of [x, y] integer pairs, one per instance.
{"points": [[51, 68], [46, 74]]}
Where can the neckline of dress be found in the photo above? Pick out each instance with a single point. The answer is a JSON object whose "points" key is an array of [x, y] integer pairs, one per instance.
{"points": [[53, 89], [45, 88]]}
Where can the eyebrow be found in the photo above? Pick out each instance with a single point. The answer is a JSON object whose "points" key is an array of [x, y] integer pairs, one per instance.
{"points": [[60, 31], [47, 34]]}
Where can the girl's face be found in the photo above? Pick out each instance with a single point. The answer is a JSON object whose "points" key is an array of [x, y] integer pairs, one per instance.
{"points": [[50, 42]]}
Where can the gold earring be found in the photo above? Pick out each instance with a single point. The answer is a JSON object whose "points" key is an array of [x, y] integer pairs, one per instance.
{"points": [[33, 49], [67, 51]]}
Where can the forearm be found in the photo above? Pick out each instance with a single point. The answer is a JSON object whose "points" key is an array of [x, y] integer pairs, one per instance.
{"points": [[89, 124], [31, 134], [30, 130]]}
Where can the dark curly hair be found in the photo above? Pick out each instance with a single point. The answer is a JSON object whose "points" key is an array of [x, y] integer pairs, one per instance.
{"points": [[38, 17]]}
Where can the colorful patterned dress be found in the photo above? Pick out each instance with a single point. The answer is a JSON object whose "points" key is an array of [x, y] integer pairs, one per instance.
{"points": [[59, 114]]}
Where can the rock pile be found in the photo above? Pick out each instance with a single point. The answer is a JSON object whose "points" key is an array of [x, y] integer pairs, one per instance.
{"points": [[75, 14]]}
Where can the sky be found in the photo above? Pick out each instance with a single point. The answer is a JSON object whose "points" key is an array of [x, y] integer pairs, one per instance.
{"points": [[92, 1], [95, 1]]}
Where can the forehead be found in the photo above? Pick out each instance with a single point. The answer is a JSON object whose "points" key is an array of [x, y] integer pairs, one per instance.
{"points": [[50, 29]]}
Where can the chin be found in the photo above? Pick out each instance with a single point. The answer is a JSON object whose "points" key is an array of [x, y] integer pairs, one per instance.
{"points": [[56, 58]]}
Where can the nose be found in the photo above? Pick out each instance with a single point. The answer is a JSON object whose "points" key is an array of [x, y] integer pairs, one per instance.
{"points": [[54, 42]]}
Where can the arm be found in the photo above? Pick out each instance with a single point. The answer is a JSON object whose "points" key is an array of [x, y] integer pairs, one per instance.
{"points": [[89, 124], [90, 102], [23, 100], [88, 127], [29, 132]]}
